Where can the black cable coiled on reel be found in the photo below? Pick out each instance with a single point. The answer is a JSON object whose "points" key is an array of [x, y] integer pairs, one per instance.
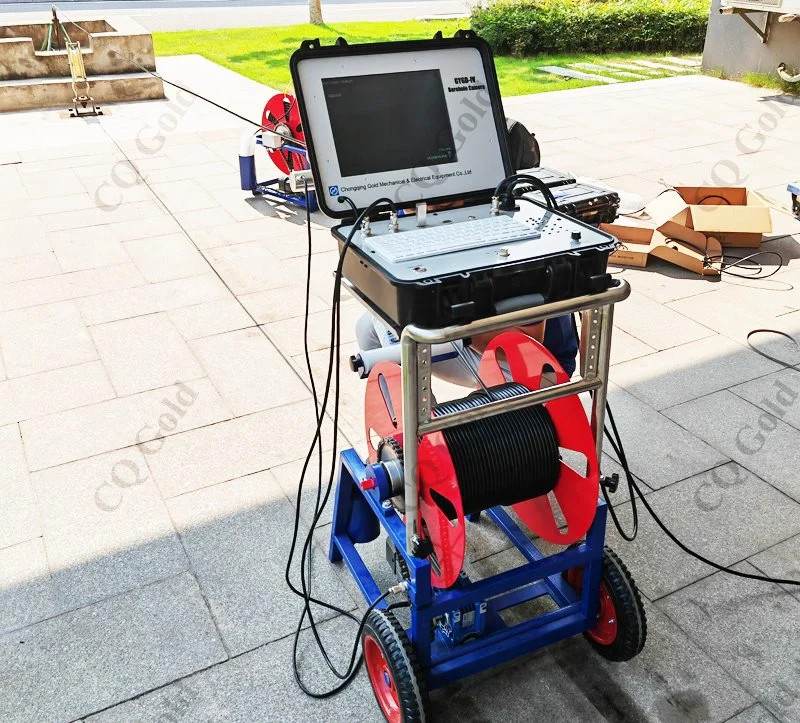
{"points": [[504, 459]]}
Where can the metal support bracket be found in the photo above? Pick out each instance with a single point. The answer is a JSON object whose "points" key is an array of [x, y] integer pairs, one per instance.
{"points": [[745, 15], [415, 352]]}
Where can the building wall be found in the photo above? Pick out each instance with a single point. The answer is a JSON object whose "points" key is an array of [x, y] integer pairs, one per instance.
{"points": [[734, 47]]}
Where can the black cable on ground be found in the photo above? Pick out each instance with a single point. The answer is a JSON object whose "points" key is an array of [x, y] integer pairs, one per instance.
{"points": [[332, 379], [616, 443], [784, 364], [746, 263]]}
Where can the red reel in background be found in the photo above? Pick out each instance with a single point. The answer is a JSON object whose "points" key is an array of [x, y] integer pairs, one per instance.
{"points": [[282, 116], [441, 512]]}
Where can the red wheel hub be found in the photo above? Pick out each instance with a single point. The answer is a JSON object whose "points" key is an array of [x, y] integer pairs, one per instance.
{"points": [[282, 116], [381, 679], [604, 631]]}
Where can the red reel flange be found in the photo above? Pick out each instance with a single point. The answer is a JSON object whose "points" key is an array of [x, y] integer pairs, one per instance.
{"points": [[282, 116], [441, 511]]}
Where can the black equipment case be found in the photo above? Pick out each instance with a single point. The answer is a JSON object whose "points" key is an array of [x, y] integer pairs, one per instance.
{"points": [[567, 258]]}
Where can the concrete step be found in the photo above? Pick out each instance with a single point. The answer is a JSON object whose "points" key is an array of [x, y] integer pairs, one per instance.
{"points": [[33, 93]]}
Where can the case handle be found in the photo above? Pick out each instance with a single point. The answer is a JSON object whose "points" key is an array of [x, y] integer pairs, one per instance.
{"points": [[515, 303]]}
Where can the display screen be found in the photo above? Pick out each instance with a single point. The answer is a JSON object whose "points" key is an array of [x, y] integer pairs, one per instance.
{"points": [[389, 122]]}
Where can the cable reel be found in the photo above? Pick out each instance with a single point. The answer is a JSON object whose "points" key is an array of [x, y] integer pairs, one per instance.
{"points": [[282, 117], [512, 459]]}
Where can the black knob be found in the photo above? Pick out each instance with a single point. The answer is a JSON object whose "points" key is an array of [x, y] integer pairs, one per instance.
{"points": [[576, 235], [356, 362]]}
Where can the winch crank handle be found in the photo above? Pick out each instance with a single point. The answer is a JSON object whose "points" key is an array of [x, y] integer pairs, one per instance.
{"points": [[516, 303]]}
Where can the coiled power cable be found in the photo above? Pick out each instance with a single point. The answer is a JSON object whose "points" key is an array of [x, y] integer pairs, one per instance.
{"points": [[505, 458]]}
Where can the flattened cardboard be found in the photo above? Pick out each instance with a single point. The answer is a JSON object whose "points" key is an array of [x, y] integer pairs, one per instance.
{"points": [[689, 249]]}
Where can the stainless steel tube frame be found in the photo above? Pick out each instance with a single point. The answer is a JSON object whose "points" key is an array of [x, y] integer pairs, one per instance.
{"points": [[415, 343]]}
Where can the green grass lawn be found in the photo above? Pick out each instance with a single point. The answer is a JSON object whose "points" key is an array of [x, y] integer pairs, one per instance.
{"points": [[263, 53]]}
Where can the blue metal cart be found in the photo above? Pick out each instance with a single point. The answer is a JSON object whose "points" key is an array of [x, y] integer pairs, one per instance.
{"points": [[459, 630]]}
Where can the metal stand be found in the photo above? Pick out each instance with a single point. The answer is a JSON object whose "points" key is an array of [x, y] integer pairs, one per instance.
{"points": [[80, 84], [471, 610], [277, 188]]}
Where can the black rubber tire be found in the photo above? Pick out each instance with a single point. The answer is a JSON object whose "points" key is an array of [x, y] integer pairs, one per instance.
{"points": [[401, 659], [630, 613]]}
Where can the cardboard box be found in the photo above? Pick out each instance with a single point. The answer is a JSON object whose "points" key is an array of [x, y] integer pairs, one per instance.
{"points": [[734, 216], [685, 247]]}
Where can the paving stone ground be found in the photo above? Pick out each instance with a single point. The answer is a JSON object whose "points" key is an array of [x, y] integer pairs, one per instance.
{"points": [[154, 409]]}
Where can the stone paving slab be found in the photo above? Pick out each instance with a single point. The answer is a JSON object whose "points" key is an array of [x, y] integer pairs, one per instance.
{"points": [[756, 714], [243, 689], [53, 391], [100, 655], [673, 679], [659, 451], [775, 393], [513, 691], [43, 338], [731, 424], [121, 422], [237, 536], [148, 299], [192, 459], [781, 561], [725, 514], [19, 514], [86, 249], [210, 318], [106, 529], [569, 73], [752, 627], [690, 371], [26, 590], [249, 371], [143, 353], [165, 258], [225, 472]]}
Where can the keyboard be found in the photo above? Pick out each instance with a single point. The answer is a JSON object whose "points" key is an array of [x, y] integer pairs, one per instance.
{"points": [[435, 240]]}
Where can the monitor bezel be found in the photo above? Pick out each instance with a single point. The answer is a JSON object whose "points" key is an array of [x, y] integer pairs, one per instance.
{"points": [[313, 49]]}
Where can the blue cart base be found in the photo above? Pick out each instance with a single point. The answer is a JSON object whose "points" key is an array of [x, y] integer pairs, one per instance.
{"points": [[460, 631]]}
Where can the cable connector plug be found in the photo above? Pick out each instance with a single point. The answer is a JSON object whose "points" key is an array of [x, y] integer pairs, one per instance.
{"points": [[400, 587], [366, 230], [393, 224], [495, 210]]}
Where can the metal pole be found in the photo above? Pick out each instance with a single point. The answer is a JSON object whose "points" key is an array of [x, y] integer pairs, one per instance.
{"points": [[600, 395], [521, 317], [410, 378], [540, 396]]}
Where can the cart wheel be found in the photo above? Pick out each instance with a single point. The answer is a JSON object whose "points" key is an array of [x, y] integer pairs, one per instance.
{"points": [[621, 628], [393, 669]]}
